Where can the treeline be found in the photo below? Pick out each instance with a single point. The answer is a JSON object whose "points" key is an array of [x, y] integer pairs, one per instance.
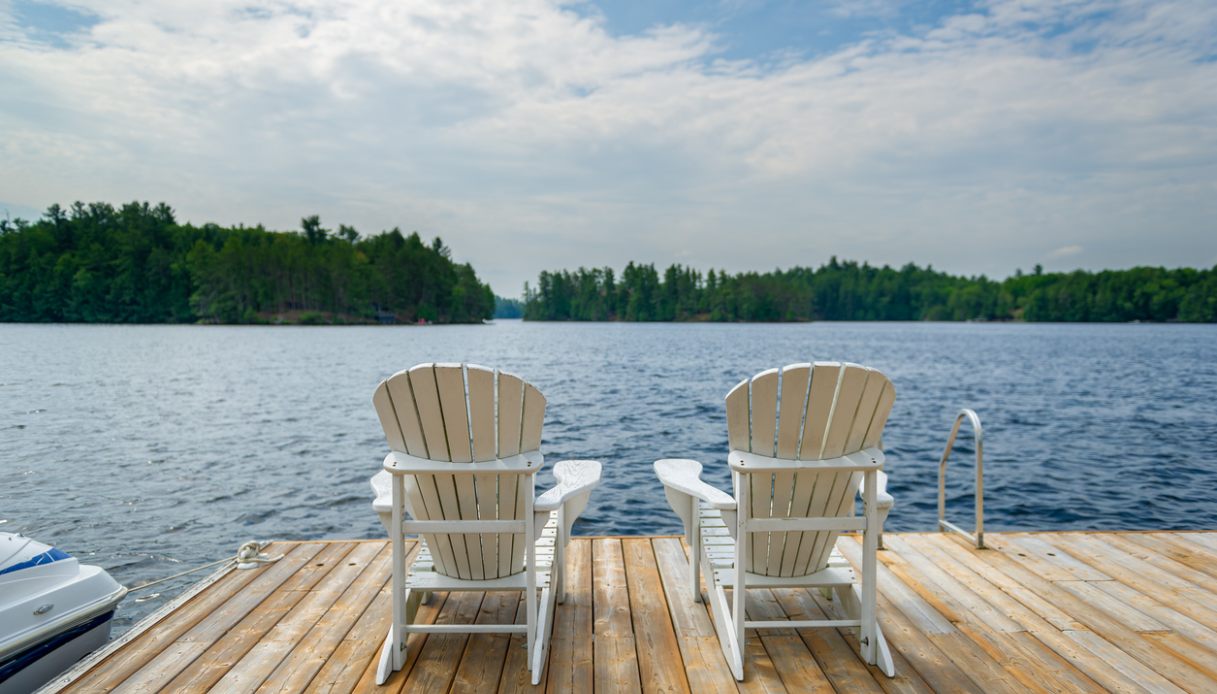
{"points": [[508, 308], [851, 291], [137, 264]]}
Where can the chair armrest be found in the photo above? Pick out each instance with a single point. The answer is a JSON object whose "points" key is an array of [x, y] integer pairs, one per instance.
{"points": [[885, 500], [382, 487], [574, 477], [682, 484], [684, 476]]}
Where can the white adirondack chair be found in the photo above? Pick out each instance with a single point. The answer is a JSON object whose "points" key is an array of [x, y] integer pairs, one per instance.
{"points": [[796, 463], [461, 470]]}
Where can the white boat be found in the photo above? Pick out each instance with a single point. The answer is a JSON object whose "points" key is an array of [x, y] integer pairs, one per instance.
{"points": [[53, 611]]}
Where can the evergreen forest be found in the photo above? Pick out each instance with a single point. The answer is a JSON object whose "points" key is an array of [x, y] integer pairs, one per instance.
{"points": [[847, 290], [136, 264]]}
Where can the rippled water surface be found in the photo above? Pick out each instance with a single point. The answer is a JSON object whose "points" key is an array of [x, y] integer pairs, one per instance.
{"points": [[150, 449]]}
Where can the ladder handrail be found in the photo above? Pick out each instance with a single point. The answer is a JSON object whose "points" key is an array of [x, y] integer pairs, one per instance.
{"points": [[978, 434]]}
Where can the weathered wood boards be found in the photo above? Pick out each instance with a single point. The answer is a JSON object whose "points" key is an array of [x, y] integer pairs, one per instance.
{"points": [[1128, 612]]}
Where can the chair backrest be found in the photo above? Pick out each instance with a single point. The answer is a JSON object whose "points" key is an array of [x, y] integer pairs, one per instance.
{"points": [[464, 413], [804, 412]]}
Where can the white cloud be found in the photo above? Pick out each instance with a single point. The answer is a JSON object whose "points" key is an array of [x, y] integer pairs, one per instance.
{"points": [[530, 137], [1064, 252]]}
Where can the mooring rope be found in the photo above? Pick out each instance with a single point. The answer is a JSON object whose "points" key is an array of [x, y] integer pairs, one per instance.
{"points": [[248, 556]]}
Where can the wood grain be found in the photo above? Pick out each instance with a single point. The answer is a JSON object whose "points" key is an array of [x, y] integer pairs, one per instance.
{"points": [[1125, 612]]}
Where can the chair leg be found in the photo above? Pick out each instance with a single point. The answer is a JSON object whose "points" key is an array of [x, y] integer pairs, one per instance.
{"points": [[393, 652], [544, 624], [557, 572], [883, 654], [870, 547], [849, 597], [739, 592], [724, 626], [695, 549], [385, 667], [530, 563]]}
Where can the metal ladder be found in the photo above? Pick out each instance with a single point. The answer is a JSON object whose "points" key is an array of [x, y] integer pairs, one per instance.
{"points": [[944, 525]]}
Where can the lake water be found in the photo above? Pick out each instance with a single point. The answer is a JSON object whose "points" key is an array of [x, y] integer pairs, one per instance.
{"points": [[150, 449]]}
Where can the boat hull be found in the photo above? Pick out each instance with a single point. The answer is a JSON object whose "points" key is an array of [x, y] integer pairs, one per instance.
{"points": [[53, 611], [35, 666]]}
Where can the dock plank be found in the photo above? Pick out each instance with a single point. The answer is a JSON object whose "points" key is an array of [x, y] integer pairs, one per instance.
{"points": [[358, 649], [704, 665], [835, 657], [1198, 599], [268, 588], [794, 663], [137, 654], [1120, 642], [428, 612], [281, 640], [1054, 611], [1190, 554], [435, 667], [570, 655], [296, 670], [656, 640], [517, 677], [917, 646], [1051, 656], [615, 659], [220, 650], [481, 665]]}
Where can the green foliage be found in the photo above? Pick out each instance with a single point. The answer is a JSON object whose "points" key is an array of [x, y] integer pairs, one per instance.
{"points": [[508, 308], [136, 264], [851, 291]]}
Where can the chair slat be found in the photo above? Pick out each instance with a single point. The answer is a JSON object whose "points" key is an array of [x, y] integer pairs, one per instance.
{"points": [[402, 397], [884, 407], [485, 441], [450, 388], [792, 409], [763, 410], [388, 418], [533, 419], [803, 484], [738, 433], [518, 548], [487, 487], [509, 545], [394, 403], [481, 413], [866, 410], [426, 399], [824, 379], [810, 489], [430, 414], [763, 401], [844, 409], [839, 494], [511, 410], [441, 545], [834, 487]]}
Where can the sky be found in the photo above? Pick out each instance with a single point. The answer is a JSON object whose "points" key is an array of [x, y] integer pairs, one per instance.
{"points": [[979, 137]]}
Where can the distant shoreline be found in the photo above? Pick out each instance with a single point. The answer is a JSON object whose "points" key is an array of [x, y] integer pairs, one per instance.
{"points": [[851, 290], [491, 322]]}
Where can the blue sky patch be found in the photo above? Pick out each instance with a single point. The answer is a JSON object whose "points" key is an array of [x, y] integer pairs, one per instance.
{"points": [[52, 24]]}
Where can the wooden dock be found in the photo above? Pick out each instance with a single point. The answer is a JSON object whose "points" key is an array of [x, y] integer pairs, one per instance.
{"points": [[1044, 612]]}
